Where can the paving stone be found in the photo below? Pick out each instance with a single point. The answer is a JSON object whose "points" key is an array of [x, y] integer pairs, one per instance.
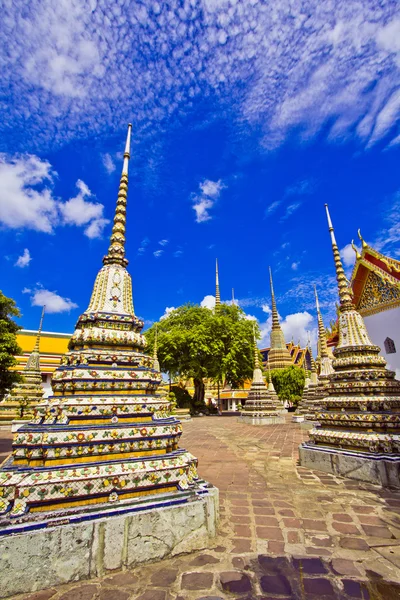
{"points": [[241, 545], [204, 559], [354, 544], [343, 517], [269, 533], [346, 528], [318, 587], [342, 566], [152, 595], [313, 525], [276, 584], [270, 564], [373, 531], [197, 581], [310, 566], [292, 523], [165, 577], [318, 551], [208, 598], [243, 531], [219, 549], [352, 588], [122, 579], [324, 542], [114, 594], [81, 592], [235, 582], [293, 537], [42, 595]]}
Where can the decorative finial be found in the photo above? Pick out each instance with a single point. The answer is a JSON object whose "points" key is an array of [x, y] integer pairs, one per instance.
{"points": [[363, 242], [217, 294], [156, 364], [256, 359], [345, 295], [358, 255], [36, 348], [116, 250], [233, 297], [274, 310]]}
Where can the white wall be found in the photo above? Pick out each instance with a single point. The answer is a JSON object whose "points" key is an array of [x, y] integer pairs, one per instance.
{"points": [[382, 325]]}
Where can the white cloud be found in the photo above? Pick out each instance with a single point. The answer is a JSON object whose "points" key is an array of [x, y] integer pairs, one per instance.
{"points": [[163, 242], [203, 202], [178, 253], [54, 302], [208, 302], [24, 259], [78, 211], [348, 255], [168, 311], [283, 69], [266, 308], [295, 266], [158, 253], [27, 181], [296, 326], [108, 163]]}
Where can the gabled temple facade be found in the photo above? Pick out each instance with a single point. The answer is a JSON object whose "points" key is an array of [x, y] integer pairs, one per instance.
{"points": [[375, 282]]}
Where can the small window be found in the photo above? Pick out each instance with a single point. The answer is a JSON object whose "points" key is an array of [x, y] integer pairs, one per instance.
{"points": [[390, 348]]}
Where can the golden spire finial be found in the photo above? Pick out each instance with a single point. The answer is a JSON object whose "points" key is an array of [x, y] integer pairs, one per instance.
{"points": [[256, 359], [116, 250], [345, 295], [274, 310], [233, 297], [36, 347], [156, 364], [217, 294], [323, 347], [358, 255], [363, 242]]}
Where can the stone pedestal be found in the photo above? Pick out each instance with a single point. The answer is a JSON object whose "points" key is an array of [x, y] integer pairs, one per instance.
{"points": [[277, 419], [49, 550], [379, 469], [298, 418]]}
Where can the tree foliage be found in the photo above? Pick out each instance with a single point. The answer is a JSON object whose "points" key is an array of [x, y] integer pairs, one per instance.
{"points": [[8, 344], [196, 342], [289, 383]]}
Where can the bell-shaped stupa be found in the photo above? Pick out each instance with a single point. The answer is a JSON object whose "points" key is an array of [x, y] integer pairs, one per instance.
{"points": [[261, 406], [359, 432], [26, 394], [106, 435]]}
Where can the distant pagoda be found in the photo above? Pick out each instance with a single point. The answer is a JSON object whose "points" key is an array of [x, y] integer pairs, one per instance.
{"points": [[106, 435], [278, 355], [325, 361], [359, 433], [217, 293], [261, 406], [26, 394]]}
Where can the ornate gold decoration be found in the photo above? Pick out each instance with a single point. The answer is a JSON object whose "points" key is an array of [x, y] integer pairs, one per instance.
{"points": [[278, 355]]}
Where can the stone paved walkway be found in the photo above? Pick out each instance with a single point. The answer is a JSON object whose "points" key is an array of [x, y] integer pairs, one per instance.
{"points": [[285, 532]]}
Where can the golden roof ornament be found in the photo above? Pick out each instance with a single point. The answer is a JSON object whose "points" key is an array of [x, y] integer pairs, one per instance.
{"points": [[217, 294], [278, 354]]}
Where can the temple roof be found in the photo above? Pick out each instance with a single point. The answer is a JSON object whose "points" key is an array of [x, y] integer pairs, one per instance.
{"points": [[298, 354], [375, 281]]}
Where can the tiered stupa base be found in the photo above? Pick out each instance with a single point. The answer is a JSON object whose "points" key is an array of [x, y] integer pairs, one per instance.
{"points": [[379, 469], [41, 550]]}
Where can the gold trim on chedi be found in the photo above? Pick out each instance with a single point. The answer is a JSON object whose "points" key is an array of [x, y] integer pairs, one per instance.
{"points": [[106, 434]]}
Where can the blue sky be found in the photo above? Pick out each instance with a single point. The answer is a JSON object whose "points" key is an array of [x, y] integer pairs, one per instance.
{"points": [[247, 117]]}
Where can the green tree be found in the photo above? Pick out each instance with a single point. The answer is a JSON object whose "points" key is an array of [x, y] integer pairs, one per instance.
{"points": [[199, 343], [8, 344], [289, 383]]}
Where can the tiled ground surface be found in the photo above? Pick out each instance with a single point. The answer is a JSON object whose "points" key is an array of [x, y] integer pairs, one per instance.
{"points": [[285, 532]]}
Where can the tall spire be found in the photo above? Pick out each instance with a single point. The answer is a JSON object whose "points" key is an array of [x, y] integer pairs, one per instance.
{"points": [[36, 347], [279, 355], [323, 347], [233, 297], [275, 318], [256, 359], [217, 294], [345, 294], [116, 250], [33, 362], [156, 364]]}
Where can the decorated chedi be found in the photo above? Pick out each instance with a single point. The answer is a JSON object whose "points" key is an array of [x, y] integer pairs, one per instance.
{"points": [[28, 393], [278, 355], [106, 435], [302, 407], [261, 406], [359, 432], [324, 360]]}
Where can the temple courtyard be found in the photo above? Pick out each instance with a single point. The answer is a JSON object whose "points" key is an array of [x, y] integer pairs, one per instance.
{"points": [[285, 531]]}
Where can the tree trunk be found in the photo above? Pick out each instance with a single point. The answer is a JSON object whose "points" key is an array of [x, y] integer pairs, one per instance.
{"points": [[199, 391]]}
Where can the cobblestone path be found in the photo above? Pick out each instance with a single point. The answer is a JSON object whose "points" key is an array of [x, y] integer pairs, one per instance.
{"points": [[285, 532]]}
